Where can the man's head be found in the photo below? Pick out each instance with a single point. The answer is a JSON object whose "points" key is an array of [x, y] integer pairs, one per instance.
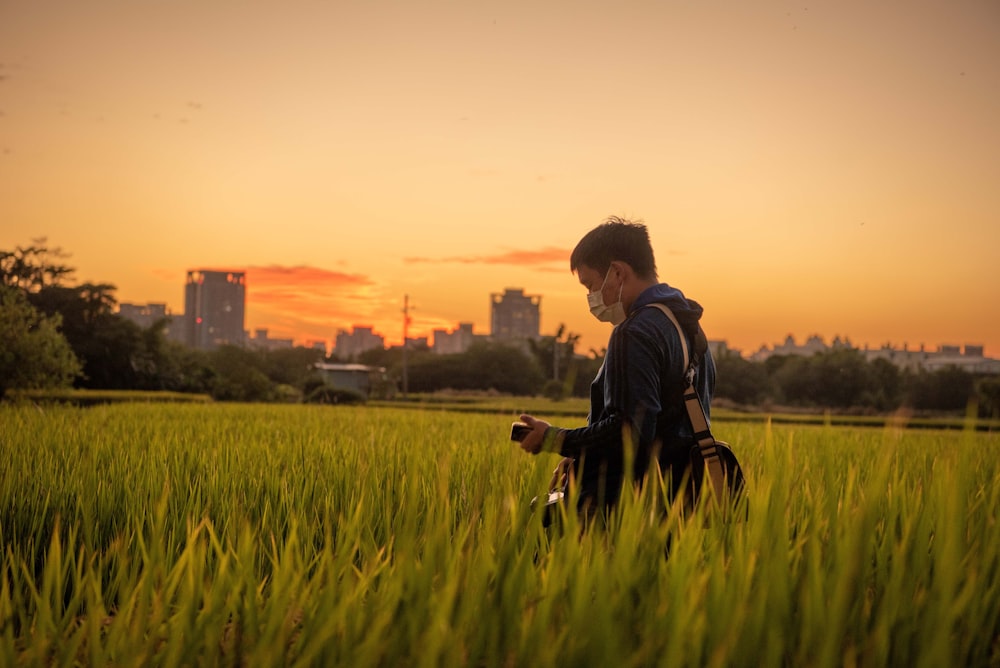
{"points": [[614, 259], [616, 239]]}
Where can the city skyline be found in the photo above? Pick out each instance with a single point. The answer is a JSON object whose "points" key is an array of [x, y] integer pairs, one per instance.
{"points": [[822, 169], [146, 313]]}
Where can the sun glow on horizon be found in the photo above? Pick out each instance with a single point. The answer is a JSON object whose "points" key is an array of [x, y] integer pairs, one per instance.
{"points": [[823, 170]]}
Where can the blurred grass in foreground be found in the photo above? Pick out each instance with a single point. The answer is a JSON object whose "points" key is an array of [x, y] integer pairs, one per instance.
{"points": [[172, 534]]}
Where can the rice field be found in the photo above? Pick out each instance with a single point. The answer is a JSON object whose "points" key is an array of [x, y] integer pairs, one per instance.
{"points": [[213, 534]]}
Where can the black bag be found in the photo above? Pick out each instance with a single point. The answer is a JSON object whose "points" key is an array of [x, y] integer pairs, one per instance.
{"points": [[721, 469], [711, 460]]}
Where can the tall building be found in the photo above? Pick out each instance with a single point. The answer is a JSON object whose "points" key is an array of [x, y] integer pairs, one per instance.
{"points": [[454, 342], [146, 315], [349, 345], [261, 341], [514, 315], [143, 315], [214, 306]]}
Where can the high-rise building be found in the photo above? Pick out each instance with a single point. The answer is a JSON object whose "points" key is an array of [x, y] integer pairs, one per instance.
{"points": [[214, 306], [261, 341], [147, 315], [514, 315], [351, 344], [144, 315], [454, 342]]}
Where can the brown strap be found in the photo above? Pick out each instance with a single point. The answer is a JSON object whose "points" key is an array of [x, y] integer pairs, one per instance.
{"points": [[696, 413]]}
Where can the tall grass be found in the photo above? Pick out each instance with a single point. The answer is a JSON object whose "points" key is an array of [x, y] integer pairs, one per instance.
{"points": [[288, 535]]}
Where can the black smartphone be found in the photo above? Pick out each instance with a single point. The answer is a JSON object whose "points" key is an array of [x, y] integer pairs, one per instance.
{"points": [[518, 431]]}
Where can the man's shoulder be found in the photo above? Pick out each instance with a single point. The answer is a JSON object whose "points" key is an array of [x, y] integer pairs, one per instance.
{"points": [[650, 315], [648, 322]]}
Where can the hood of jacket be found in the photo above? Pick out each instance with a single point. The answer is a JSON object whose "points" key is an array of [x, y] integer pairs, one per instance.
{"points": [[687, 311]]}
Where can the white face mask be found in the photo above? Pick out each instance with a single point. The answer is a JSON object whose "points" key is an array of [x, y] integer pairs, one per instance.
{"points": [[615, 314]]}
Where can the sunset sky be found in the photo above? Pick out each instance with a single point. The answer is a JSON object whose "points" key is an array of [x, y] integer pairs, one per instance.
{"points": [[826, 168]]}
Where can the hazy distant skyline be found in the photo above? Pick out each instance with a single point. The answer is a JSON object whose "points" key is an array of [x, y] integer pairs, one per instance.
{"points": [[484, 330], [804, 168]]}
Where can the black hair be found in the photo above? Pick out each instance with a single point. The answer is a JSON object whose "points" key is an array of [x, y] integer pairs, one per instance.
{"points": [[616, 239]]}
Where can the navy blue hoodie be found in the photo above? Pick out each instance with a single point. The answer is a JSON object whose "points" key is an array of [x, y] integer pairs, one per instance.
{"points": [[639, 392]]}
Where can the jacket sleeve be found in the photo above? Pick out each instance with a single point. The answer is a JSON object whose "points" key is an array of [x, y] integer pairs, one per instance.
{"points": [[633, 367]]}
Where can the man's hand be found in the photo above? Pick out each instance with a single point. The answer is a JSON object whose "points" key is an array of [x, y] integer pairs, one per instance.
{"points": [[561, 474], [535, 439]]}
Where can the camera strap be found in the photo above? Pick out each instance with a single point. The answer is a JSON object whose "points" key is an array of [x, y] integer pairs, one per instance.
{"points": [[704, 440]]}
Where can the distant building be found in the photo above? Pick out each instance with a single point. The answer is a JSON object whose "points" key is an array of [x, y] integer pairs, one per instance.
{"points": [[366, 380], [176, 329], [261, 341], [147, 315], [417, 343], [351, 344], [454, 342], [143, 315], [814, 344], [721, 348], [214, 306], [317, 345], [904, 358], [514, 315], [970, 359]]}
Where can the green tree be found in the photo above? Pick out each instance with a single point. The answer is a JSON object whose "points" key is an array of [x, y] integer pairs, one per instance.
{"points": [[988, 390], [886, 385], [291, 366], [33, 352], [948, 389], [32, 268], [838, 378], [556, 357], [485, 366], [237, 375], [184, 369], [392, 360], [741, 380], [795, 378], [586, 371], [114, 354], [843, 377]]}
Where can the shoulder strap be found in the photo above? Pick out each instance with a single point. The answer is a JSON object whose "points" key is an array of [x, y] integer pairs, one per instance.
{"points": [[680, 331], [696, 412]]}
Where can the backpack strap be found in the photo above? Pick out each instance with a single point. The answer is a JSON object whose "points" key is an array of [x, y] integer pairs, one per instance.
{"points": [[706, 443]]}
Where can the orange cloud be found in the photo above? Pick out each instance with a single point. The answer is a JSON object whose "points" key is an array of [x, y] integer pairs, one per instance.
{"points": [[540, 260], [307, 298], [171, 275], [304, 277]]}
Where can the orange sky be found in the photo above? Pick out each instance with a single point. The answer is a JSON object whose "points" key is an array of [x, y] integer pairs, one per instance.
{"points": [[806, 168]]}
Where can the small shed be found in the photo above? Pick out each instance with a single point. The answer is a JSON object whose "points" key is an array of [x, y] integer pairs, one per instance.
{"points": [[361, 378]]}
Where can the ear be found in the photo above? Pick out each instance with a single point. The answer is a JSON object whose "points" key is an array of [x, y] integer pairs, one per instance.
{"points": [[621, 269]]}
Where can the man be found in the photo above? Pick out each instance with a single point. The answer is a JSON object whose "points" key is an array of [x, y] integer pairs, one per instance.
{"points": [[636, 400]]}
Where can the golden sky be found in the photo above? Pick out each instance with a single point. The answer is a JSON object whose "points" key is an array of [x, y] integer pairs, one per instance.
{"points": [[804, 168]]}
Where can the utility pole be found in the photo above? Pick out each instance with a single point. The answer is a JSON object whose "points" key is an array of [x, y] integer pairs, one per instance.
{"points": [[555, 352], [555, 357], [406, 337]]}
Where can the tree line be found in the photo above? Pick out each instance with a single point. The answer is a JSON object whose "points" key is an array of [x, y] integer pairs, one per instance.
{"points": [[843, 379], [54, 333]]}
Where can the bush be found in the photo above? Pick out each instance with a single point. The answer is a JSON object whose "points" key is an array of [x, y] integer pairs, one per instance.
{"points": [[334, 395], [554, 389]]}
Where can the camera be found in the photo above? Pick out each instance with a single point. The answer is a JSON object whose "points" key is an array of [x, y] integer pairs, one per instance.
{"points": [[518, 431]]}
